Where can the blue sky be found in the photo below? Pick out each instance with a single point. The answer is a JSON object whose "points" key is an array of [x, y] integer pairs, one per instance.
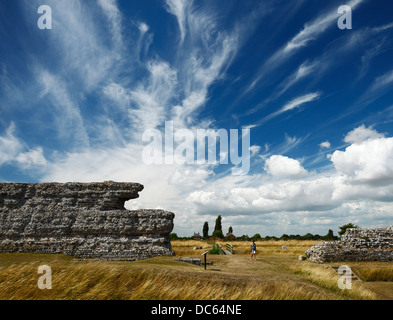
{"points": [[75, 101]]}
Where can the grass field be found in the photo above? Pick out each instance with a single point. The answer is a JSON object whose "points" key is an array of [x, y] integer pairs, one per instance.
{"points": [[276, 275]]}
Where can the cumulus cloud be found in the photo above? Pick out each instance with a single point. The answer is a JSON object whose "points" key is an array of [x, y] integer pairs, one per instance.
{"points": [[190, 176], [358, 188], [361, 134], [369, 161], [268, 196], [281, 166]]}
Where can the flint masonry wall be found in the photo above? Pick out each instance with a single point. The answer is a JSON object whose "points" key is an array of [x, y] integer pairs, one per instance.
{"points": [[358, 244], [84, 220]]}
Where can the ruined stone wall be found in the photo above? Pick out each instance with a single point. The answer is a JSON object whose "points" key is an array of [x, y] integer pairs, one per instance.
{"points": [[84, 220], [358, 244]]}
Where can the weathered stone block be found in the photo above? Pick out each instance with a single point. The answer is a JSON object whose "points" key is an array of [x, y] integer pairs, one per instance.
{"points": [[85, 220]]}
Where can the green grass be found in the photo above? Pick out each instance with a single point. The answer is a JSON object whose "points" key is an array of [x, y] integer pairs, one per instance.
{"points": [[215, 249]]}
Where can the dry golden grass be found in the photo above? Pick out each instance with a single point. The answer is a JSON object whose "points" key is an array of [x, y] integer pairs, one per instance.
{"points": [[376, 273], [184, 248], [327, 278], [294, 247], [103, 280], [276, 275]]}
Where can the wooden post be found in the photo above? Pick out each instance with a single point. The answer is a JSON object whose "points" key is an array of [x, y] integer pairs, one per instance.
{"points": [[205, 254]]}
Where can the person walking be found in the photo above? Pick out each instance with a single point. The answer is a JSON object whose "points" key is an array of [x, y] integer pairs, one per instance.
{"points": [[254, 250]]}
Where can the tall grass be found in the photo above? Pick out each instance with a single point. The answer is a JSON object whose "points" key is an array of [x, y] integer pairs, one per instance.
{"points": [[327, 278], [275, 275], [98, 280], [374, 274]]}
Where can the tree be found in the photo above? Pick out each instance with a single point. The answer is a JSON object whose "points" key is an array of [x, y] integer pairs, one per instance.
{"points": [[308, 236], [230, 230], [344, 228], [284, 237], [330, 235], [244, 238], [173, 236], [218, 234], [256, 236], [218, 228], [206, 230]]}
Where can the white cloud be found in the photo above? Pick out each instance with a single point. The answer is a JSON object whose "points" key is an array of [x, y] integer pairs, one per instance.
{"points": [[368, 161], [311, 31], [285, 147], [297, 102], [151, 99], [382, 81], [361, 134], [250, 126], [143, 27], [362, 174], [113, 14], [10, 146], [204, 67], [190, 176], [325, 145], [88, 55], [32, 158], [12, 149], [293, 104], [304, 70], [280, 166], [180, 9], [64, 108], [254, 150], [266, 197], [118, 94]]}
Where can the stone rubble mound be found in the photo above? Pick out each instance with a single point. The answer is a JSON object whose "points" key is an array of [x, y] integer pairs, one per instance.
{"points": [[358, 244]]}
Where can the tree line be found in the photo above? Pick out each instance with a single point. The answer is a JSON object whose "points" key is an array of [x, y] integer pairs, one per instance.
{"points": [[218, 233]]}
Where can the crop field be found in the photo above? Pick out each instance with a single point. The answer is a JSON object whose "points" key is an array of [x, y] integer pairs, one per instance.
{"points": [[276, 275]]}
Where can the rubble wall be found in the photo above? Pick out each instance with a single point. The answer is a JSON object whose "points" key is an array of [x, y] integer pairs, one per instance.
{"points": [[358, 244], [84, 220]]}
